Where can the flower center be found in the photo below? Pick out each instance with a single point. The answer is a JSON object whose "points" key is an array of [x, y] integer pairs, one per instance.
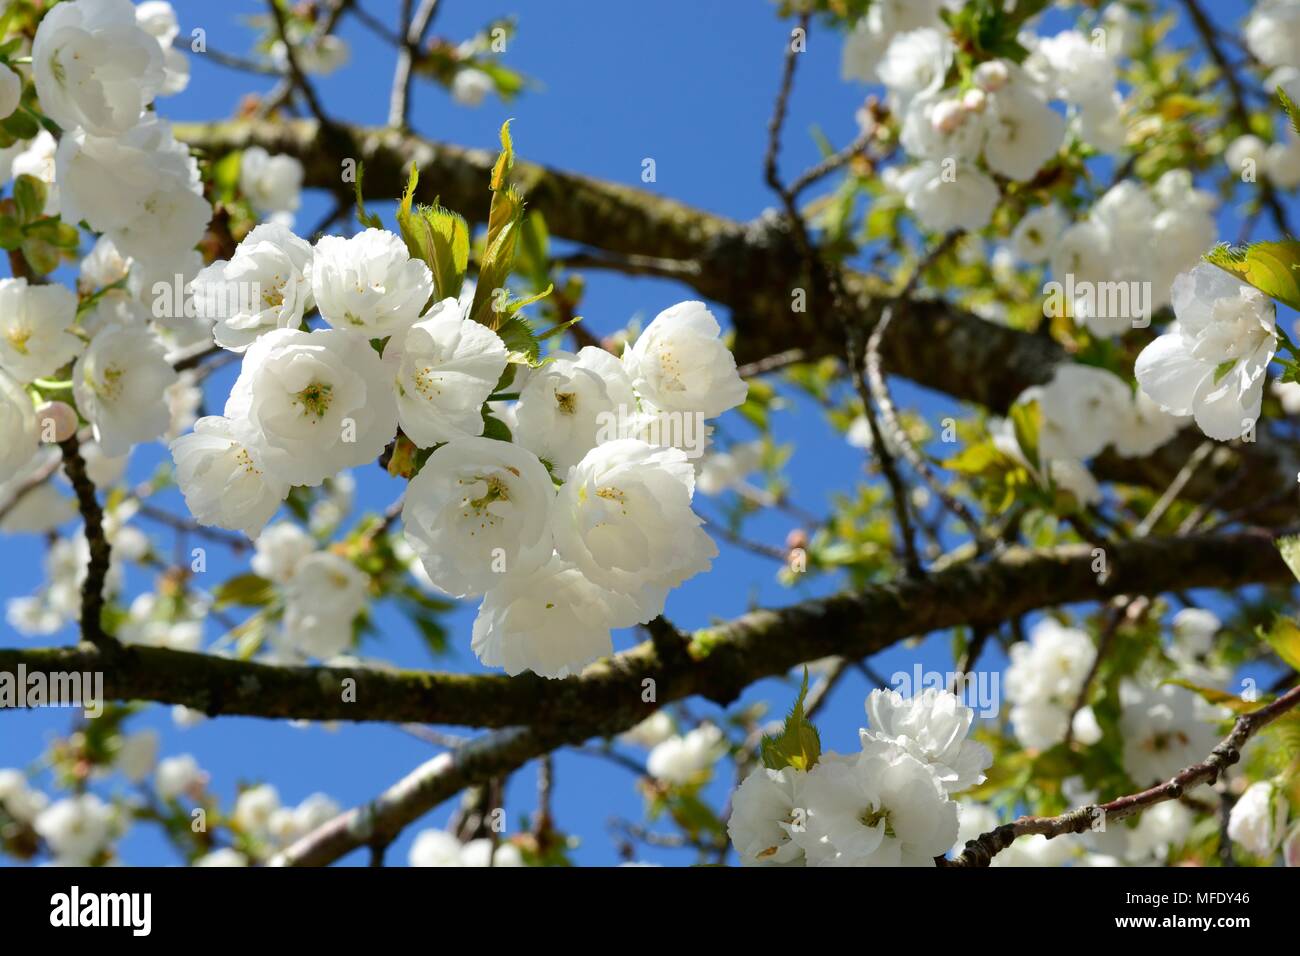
{"points": [[315, 399], [616, 495], [18, 338], [871, 817], [567, 402], [497, 490], [110, 385]]}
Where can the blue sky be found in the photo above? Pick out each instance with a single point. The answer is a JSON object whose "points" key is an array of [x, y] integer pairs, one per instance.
{"points": [[686, 82]]}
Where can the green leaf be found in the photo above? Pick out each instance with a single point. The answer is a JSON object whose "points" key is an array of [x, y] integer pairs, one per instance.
{"points": [[798, 745], [1284, 637], [514, 305], [30, 194], [502, 235], [522, 344], [11, 235], [494, 270], [1223, 368], [249, 590], [55, 232], [506, 161], [1289, 547], [1026, 419], [225, 175], [368, 220], [1292, 111], [494, 428], [1220, 698], [436, 236], [21, 124], [41, 255], [1268, 266]]}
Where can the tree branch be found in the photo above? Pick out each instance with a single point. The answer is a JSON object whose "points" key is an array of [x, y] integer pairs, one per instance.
{"points": [[981, 850], [92, 588], [716, 662]]}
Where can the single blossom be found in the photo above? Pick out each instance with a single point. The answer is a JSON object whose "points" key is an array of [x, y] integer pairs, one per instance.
{"points": [[679, 363], [443, 368], [18, 429], [932, 727], [36, 336], [882, 807], [94, 66], [552, 621], [118, 383], [1212, 362], [624, 518], [325, 594], [1258, 819], [478, 511], [279, 550], [685, 759], [220, 472], [765, 810], [1165, 729], [272, 184], [140, 188], [317, 402], [265, 285], [369, 282], [572, 403]]}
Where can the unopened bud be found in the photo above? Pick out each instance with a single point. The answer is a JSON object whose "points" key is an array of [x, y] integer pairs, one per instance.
{"points": [[992, 76], [947, 116], [57, 421], [973, 101]]}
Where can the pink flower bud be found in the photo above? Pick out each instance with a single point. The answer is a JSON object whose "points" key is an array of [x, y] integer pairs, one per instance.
{"points": [[973, 101], [992, 76], [57, 421], [947, 116]]}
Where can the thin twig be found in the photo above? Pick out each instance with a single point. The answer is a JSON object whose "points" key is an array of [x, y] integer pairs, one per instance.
{"points": [[981, 850], [92, 588]]}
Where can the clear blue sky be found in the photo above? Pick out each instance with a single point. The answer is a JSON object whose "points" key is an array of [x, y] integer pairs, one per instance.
{"points": [[687, 82]]}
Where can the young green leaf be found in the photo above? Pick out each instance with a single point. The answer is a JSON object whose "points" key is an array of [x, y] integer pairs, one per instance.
{"points": [[1268, 266], [798, 745]]}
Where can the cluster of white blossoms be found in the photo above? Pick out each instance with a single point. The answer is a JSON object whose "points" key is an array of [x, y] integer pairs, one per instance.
{"points": [[1083, 411], [1165, 729], [1213, 361], [1001, 123], [558, 567], [97, 66], [889, 805], [440, 848], [1135, 240], [323, 592], [1043, 683]]}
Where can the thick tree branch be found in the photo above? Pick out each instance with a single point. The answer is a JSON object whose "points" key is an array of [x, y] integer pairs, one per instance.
{"points": [[716, 662]]}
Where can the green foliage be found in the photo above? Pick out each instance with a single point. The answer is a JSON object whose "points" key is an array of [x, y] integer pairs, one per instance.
{"points": [[1284, 638], [503, 231], [369, 220], [798, 745], [247, 590], [1292, 111], [436, 236], [1271, 267]]}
